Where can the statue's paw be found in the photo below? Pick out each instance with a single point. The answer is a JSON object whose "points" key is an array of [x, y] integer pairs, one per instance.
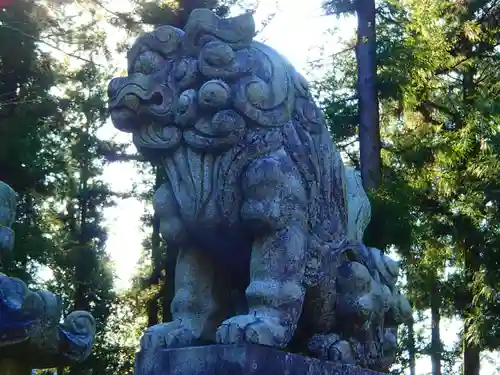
{"points": [[253, 329], [332, 348], [167, 335]]}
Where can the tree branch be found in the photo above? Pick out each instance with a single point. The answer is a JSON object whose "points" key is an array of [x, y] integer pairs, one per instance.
{"points": [[121, 157], [6, 26]]}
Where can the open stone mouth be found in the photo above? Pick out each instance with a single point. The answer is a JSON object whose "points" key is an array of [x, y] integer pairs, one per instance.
{"points": [[134, 105], [144, 113]]}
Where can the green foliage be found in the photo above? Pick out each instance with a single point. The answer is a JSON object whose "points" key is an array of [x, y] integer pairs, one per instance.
{"points": [[176, 12], [29, 118], [438, 75], [50, 153], [339, 7]]}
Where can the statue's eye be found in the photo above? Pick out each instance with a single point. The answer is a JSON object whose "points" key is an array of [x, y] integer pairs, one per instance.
{"points": [[148, 62]]}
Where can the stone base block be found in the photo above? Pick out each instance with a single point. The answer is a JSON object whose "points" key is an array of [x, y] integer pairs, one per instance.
{"points": [[238, 360]]}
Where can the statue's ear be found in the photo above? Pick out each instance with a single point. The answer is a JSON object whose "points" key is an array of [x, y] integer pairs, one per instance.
{"points": [[204, 26]]}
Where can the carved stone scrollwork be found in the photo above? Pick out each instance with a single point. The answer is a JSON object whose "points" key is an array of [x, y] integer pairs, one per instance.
{"points": [[31, 332]]}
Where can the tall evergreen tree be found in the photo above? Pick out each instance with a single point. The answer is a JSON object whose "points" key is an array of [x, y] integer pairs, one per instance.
{"points": [[53, 157], [86, 264], [30, 116], [176, 13], [368, 106], [438, 86]]}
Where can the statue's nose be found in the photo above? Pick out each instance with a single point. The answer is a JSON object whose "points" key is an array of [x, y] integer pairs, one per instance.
{"points": [[115, 85]]}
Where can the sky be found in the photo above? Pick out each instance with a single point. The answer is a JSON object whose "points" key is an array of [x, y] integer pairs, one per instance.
{"points": [[298, 31]]}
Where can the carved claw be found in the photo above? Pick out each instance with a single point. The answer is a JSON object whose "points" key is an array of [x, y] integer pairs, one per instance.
{"points": [[252, 329], [161, 336], [168, 335], [331, 347]]}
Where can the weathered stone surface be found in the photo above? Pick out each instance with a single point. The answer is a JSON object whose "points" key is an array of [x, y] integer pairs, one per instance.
{"points": [[31, 332], [268, 220], [241, 360]]}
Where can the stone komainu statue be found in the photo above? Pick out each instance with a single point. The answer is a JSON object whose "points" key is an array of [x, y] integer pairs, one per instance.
{"points": [[31, 332], [267, 219]]}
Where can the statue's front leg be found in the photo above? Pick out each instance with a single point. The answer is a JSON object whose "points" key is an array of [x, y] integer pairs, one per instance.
{"points": [[200, 301], [274, 210], [196, 307]]}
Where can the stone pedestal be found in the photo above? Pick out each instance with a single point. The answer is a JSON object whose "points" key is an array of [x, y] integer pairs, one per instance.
{"points": [[238, 360]]}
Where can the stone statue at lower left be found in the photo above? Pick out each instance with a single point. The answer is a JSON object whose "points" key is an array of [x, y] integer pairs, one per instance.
{"points": [[31, 332]]}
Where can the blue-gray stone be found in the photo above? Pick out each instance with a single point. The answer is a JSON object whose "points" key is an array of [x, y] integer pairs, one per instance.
{"points": [[6, 238], [241, 360], [256, 198]]}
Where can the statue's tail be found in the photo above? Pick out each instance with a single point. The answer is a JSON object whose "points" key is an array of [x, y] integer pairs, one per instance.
{"points": [[358, 205], [383, 268], [329, 206]]}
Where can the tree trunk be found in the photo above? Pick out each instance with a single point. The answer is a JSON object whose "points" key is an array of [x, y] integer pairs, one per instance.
{"points": [[471, 352], [436, 346], [369, 133], [472, 355], [411, 347], [83, 250], [472, 258], [152, 311]]}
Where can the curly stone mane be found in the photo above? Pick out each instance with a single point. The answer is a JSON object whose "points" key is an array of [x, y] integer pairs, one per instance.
{"points": [[218, 92], [267, 219]]}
